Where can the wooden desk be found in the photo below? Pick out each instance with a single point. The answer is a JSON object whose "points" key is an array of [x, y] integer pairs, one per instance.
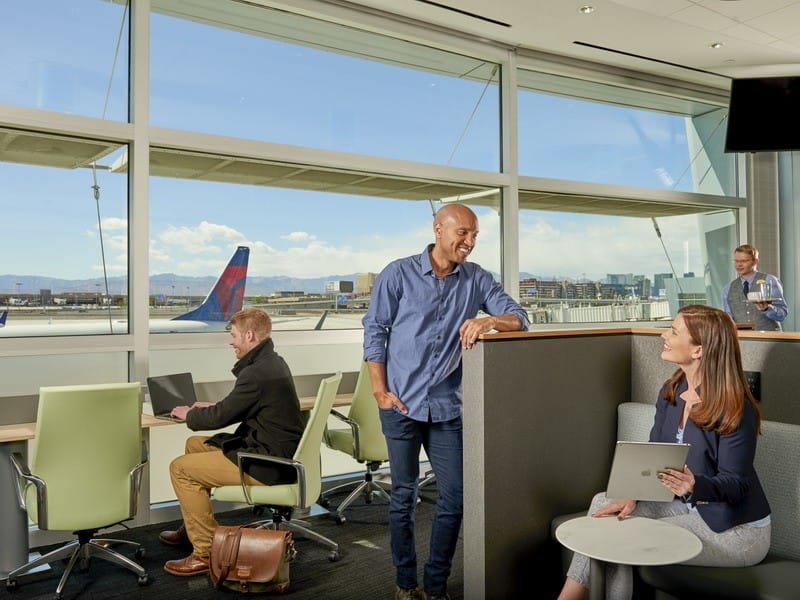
{"points": [[25, 431], [632, 541]]}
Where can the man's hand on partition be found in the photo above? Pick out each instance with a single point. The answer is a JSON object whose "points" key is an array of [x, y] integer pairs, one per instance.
{"points": [[472, 328]]}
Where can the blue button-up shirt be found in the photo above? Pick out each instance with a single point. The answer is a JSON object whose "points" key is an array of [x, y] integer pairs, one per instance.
{"points": [[412, 326]]}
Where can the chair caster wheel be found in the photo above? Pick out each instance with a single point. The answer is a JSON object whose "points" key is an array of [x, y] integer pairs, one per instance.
{"points": [[143, 579], [140, 553], [340, 519], [333, 556]]}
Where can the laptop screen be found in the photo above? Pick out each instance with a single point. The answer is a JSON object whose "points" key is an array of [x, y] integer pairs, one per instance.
{"points": [[169, 391]]}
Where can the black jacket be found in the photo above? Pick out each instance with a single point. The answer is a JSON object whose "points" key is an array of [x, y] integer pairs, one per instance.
{"points": [[264, 403]]}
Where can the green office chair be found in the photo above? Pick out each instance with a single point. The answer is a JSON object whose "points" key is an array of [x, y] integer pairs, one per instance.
{"points": [[282, 500], [84, 474], [363, 440]]}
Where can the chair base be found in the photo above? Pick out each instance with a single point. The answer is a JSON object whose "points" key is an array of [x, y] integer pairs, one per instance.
{"points": [[80, 552], [367, 486], [301, 529]]}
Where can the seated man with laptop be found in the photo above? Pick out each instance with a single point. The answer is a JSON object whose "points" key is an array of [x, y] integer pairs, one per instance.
{"points": [[264, 402], [717, 495]]}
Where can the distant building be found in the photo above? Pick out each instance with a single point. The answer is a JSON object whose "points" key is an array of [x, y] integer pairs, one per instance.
{"points": [[365, 283]]}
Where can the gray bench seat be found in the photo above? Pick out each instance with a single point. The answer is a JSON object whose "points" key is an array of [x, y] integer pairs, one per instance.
{"points": [[778, 576]]}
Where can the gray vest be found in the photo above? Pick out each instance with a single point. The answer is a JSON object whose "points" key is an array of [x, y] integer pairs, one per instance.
{"points": [[744, 312]]}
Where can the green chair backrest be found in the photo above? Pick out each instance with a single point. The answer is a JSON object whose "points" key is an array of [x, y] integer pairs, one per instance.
{"points": [[364, 411], [308, 450], [87, 441]]}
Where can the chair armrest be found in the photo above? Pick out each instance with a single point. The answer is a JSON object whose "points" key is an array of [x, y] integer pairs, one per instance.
{"points": [[244, 457], [23, 473], [136, 481], [353, 427]]}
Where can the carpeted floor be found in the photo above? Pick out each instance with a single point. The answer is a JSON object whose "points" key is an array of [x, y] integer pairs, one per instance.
{"points": [[363, 571]]}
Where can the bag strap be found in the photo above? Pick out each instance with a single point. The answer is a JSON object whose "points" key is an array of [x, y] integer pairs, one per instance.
{"points": [[228, 553]]}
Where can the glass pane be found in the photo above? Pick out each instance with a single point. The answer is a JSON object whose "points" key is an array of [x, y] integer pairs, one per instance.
{"points": [[313, 255], [577, 268], [53, 281], [69, 57], [246, 71], [603, 134]]}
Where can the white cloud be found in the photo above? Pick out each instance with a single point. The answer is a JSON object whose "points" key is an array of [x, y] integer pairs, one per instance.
{"points": [[299, 236], [596, 246]]}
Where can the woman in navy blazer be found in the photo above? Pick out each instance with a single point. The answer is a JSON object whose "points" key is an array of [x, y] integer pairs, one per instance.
{"points": [[708, 404]]}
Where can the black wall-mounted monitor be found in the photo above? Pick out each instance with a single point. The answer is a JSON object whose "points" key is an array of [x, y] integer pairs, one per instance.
{"points": [[764, 115]]}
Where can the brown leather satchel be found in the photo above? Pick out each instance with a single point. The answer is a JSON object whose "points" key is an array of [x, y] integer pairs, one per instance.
{"points": [[249, 558]]}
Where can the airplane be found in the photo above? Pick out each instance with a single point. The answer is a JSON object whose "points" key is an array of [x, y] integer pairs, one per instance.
{"points": [[222, 302]]}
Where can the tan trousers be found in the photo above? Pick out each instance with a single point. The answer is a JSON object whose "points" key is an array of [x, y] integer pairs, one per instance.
{"points": [[194, 475]]}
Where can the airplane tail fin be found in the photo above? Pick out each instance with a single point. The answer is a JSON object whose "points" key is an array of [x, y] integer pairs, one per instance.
{"points": [[3, 318], [227, 296]]}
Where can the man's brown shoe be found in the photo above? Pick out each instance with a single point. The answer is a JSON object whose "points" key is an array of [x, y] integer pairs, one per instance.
{"points": [[177, 537], [191, 565]]}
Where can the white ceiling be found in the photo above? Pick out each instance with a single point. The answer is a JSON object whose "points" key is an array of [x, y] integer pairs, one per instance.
{"points": [[759, 37]]}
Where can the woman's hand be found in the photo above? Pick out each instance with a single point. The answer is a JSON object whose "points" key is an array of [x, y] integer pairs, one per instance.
{"points": [[620, 508], [680, 482]]}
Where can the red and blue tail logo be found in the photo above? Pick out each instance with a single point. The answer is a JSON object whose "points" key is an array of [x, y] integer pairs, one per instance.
{"points": [[227, 296]]}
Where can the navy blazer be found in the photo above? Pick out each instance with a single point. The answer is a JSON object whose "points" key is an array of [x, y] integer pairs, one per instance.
{"points": [[727, 491]]}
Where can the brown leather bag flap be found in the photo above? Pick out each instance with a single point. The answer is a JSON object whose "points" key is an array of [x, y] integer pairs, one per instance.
{"points": [[247, 554]]}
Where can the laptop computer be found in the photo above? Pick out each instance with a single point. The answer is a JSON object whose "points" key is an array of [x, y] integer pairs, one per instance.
{"points": [[169, 391], [634, 471]]}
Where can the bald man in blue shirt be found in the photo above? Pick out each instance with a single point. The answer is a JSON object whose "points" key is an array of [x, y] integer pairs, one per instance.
{"points": [[422, 314]]}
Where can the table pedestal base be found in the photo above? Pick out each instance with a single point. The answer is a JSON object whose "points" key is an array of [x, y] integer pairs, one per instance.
{"points": [[597, 577]]}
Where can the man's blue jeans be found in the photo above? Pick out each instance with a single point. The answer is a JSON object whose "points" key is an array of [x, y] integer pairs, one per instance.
{"points": [[443, 445]]}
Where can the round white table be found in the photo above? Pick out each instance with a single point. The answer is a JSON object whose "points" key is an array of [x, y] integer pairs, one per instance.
{"points": [[631, 541]]}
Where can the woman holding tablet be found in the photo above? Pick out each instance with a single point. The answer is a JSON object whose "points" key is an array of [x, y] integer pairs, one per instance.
{"points": [[718, 496]]}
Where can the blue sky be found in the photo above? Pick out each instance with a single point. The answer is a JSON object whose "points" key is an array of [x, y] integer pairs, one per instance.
{"points": [[58, 56]]}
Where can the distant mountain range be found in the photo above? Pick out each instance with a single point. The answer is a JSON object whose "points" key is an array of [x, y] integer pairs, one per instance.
{"points": [[170, 284], [165, 283]]}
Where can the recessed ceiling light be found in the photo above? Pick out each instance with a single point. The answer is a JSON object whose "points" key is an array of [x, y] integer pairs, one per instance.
{"points": [[716, 45], [586, 9]]}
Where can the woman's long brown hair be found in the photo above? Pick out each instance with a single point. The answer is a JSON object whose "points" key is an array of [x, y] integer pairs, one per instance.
{"points": [[723, 388]]}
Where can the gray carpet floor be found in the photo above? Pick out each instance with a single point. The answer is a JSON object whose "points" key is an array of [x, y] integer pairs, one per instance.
{"points": [[364, 569]]}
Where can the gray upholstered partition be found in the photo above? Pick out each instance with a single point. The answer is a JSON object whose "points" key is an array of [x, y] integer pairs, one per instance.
{"points": [[539, 430], [540, 420]]}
